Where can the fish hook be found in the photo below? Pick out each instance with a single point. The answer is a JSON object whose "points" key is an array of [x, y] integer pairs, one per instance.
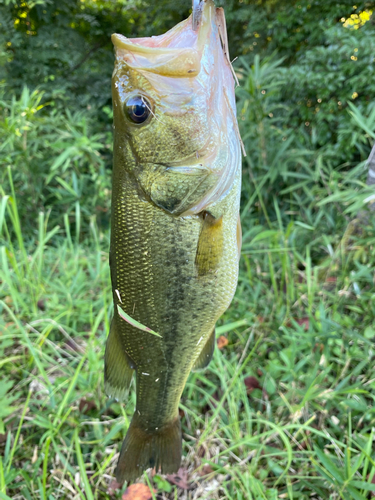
{"points": [[197, 13]]}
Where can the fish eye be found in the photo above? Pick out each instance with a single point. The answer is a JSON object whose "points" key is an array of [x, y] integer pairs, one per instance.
{"points": [[137, 108]]}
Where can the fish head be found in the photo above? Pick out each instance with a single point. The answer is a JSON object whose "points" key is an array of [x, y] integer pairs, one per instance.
{"points": [[174, 114]]}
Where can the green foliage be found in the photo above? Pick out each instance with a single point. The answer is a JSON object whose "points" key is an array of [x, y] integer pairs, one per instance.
{"points": [[328, 78], [325, 64], [57, 163], [6, 400], [290, 27], [58, 40], [307, 339], [162, 484], [285, 410]]}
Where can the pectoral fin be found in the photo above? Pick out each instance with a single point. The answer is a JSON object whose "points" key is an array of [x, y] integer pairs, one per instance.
{"points": [[118, 367], [210, 245], [206, 354]]}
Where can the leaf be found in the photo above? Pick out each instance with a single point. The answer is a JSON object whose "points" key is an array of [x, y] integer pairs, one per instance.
{"points": [[360, 120], [41, 304], [61, 158], [305, 226], [363, 485], [3, 496], [304, 322], [329, 465], [137, 491], [65, 185], [301, 322], [206, 470], [222, 342], [113, 487], [356, 495], [134, 322], [220, 330], [331, 279], [369, 332], [270, 385], [251, 384], [180, 479], [269, 233], [162, 483], [6, 400], [82, 468], [86, 405]]}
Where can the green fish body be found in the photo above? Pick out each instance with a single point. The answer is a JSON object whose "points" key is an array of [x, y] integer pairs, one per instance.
{"points": [[175, 234]]}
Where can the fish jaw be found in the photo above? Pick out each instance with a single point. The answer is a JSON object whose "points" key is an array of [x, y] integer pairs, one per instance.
{"points": [[177, 53], [187, 78]]}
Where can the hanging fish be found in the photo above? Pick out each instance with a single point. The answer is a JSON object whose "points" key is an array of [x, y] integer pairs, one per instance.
{"points": [[176, 235]]}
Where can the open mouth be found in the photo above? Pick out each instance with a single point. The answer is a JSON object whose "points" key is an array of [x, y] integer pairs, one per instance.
{"points": [[178, 52]]}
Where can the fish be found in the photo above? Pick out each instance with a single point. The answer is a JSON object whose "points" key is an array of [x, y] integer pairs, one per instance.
{"points": [[175, 228]]}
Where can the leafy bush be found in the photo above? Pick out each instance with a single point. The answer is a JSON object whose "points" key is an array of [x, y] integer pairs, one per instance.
{"points": [[57, 164], [320, 85], [285, 410]]}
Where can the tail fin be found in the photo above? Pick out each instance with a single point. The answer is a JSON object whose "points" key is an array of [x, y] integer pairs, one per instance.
{"points": [[140, 450]]}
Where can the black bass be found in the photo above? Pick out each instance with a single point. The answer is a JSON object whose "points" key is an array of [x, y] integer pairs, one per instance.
{"points": [[176, 237]]}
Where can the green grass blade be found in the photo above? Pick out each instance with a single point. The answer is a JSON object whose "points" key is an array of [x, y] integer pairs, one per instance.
{"points": [[82, 468]]}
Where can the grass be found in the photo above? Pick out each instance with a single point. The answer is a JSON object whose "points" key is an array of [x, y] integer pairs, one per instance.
{"points": [[285, 410]]}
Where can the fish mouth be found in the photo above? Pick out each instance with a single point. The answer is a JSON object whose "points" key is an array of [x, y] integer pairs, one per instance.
{"points": [[195, 54], [171, 54]]}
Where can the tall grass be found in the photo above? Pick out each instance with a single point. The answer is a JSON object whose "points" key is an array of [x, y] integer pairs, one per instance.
{"points": [[285, 410]]}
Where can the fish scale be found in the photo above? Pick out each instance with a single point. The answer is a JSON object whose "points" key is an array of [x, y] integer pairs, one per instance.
{"points": [[174, 230]]}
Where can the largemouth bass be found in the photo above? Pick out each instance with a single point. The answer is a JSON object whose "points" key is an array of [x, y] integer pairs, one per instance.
{"points": [[175, 232]]}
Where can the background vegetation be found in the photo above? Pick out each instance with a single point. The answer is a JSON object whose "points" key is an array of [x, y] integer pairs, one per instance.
{"points": [[285, 409]]}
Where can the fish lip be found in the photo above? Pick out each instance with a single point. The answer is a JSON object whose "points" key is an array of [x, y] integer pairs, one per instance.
{"points": [[122, 42], [167, 61], [201, 20], [177, 53]]}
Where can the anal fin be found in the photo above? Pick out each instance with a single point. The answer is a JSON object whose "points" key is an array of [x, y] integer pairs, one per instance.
{"points": [[206, 354], [118, 367]]}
